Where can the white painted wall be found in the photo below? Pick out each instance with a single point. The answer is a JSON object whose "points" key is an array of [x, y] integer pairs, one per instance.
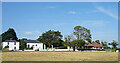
{"points": [[5, 44], [97, 48], [39, 46], [11, 45]]}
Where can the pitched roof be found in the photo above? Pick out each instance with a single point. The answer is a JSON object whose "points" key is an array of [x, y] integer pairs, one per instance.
{"points": [[95, 44], [89, 45], [10, 41], [31, 41]]}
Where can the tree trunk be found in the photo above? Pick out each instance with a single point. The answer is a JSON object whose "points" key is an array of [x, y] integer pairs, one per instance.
{"points": [[73, 48], [49, 45]]}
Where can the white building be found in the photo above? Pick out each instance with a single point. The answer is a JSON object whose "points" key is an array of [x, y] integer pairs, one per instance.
{"points": [[36, 45], [12, 44]]}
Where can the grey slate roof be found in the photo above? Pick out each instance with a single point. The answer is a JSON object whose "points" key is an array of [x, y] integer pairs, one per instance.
{"points": [[31, 41], [10, 41]]}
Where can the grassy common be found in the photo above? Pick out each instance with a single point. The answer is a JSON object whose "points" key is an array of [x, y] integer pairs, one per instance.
{"points": [[59, 56]]}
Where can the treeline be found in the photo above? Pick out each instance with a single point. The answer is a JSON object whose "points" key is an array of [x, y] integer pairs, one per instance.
{"points": [[78, 38]]}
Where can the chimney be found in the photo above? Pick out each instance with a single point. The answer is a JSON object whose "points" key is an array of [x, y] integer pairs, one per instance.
{"points": [[10, 39]]}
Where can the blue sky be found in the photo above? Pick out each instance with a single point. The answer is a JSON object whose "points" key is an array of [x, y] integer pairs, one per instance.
{"points": [[32, 19]]}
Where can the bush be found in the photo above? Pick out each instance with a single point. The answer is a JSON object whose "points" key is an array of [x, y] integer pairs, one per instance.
{"points": [[90, 49], [107, 47], [100, 50], [61, 47], [37, 50], [31, 48], [85, 49], [6, 46], [113, 50]]}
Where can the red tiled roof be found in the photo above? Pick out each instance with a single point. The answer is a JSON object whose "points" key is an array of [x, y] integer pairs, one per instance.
{"points": [[89, 45], [95, 44]]}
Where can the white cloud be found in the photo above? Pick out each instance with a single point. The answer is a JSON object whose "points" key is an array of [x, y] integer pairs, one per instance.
{"points": [[107, 12], [37, 32], [53, 26], [93, 23], [32, 32], [72, 12], [28, 33]]}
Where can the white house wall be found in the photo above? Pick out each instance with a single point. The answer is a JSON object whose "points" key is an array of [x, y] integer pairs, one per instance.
{"points": [[11, 45], [39, 45], [5, 44]]}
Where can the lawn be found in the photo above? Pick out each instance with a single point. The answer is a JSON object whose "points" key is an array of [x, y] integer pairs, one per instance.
{"points": [[59, 56]]}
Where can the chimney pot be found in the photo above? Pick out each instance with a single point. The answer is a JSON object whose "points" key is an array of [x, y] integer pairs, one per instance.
{"points": [[10, 38]]}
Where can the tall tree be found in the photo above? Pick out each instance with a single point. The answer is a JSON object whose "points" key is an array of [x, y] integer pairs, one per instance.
{"points": [[51, 38], [104, 43], [77, 43], [114, 44], [80, 43], [68, 39], [23, 44], [10, 33], [82, 33], [74, 43], [98, 41]]}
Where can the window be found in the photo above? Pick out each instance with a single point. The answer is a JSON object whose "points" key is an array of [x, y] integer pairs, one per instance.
{"points": [[28, 46], [15, 48], [14, 43], [8, 43]]}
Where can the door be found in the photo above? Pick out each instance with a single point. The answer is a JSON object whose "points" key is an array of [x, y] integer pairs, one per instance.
{"points": [[14, 48]]}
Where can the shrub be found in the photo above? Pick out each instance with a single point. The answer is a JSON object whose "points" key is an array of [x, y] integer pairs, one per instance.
{"points": [[62, 47], [100, 50], [31, 48], [6, 46], [37, 50], [113, 50], [90, 49], [106, 47]]}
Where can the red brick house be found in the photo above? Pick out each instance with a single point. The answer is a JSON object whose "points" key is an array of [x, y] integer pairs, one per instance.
{"points": [[94, 45]]}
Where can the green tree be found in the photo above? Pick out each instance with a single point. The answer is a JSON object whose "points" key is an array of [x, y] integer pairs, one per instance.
{"points": [[114, 44], [98, 41], [77, 43], [80, 43], [74, 43], [65, 44], [10, 33], [105, 44], [82, 33], [68, 39], [23, 44], [51, 38]]}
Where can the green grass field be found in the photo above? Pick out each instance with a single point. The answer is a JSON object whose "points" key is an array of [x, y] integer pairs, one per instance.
{"points": [[59, 56]]}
